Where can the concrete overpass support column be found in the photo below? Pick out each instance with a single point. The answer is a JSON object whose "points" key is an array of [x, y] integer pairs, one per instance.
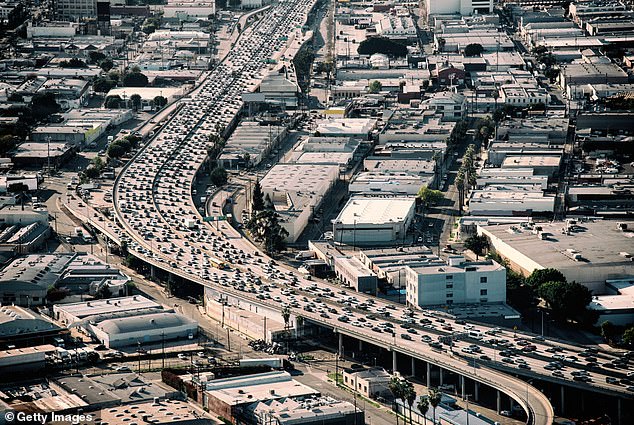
{"points": [[428, 374], [462, 387], [413, 366], [394, 362], [340, 349], [152, 271], [441, 377], [476, 391], [563, 400], [618, 411], [360, 346], [499, 401]]}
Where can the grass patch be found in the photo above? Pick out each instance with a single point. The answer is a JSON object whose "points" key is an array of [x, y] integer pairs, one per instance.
{"points": [[337, 377]]}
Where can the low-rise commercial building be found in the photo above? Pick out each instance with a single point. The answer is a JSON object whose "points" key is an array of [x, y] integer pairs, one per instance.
{"points": [[296, 191], [346, 127], [70, 314], [22, 327], [588, 252], [352, 272], [451, 106], [457, 282], [28, 360], [144, 329], [510, 200], [371, 383], [369, 220], [542, 165], [159, 411]]}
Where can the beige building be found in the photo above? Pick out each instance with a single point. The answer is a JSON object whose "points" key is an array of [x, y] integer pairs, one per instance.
{"points": [[371, 383]]}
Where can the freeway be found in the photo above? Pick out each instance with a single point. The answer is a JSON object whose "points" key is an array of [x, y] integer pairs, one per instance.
{"points": [[157, 218]]}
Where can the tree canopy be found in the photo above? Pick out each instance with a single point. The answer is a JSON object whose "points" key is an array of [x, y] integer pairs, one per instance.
{"points": [[257, 203], [544, 275], [135, 79], [477, 244], [375, 86], [373, 45], [219, 176], [473, 49], [430, 196], [567, 300]]}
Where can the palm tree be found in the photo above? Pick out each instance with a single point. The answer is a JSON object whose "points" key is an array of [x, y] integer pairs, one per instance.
{"points": [[397, 389], [434, 399], [286, 315], [423, 407], [410, 396]]}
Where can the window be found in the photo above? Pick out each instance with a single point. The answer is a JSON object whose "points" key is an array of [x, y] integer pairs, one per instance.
{"points": [[483, 279], [449, 294], [449, 286], [449, 301], [449, 277], [484, 300], [483, 292]]}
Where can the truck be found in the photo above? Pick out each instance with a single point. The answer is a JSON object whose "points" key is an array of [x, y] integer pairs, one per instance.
{"points": [[79, 232], [190, 223], [274, 362]]}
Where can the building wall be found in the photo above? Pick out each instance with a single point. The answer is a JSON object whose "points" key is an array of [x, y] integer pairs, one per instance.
{"points": [[527, 206], [442, 288], [132, 338], [347, 270]]}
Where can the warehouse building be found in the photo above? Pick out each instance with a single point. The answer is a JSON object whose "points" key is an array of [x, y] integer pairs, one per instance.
{"points": [[297, 191], [144, 329], [589, 252], [374, 221], [21, 327], [457, 282], [76, 312]]}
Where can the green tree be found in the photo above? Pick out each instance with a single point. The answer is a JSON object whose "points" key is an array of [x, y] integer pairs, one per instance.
{"points": [[518, 293], [540, 276], [92, 172], [44, 105], [54, 294], [435, 397], [160, 101], [477, 244], [373, 45], [410, 396], [73, 63], [423, 407], [551, 74], [8, 142], [106, 65], [96, 57], [115, 150], [103, 85], [219, 176], [628, 336], [113, 102], [136, 101], [567, 300], [375, 86], [608, 331], [429, 196], [266, 227], [135, 79], [397, 389], [473, 49], [103, 292], [257, 203]]}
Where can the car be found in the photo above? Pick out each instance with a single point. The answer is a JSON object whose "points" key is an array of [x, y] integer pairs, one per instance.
{"points": [[557, 373], [611, 380], [630, 388], [122, 369], [406, 336], [182, 356], [523, 366], [507, 360], [506, 413]]}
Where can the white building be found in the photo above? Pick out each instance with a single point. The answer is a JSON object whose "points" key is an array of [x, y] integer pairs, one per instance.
{"points": [[75, 312], [462, 7], [510, 199], [144, 329], [352, 272], [188, 10], [383, 183], [368, 221], [451, 106], [458, 282], [296, 191], [371, 383]]}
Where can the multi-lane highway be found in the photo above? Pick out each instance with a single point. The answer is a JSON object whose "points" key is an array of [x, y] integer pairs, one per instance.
{"points": [[157, 218]]}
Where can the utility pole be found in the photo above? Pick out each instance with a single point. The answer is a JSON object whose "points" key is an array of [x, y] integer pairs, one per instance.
{"points": [[163, 349], [48, 155]]}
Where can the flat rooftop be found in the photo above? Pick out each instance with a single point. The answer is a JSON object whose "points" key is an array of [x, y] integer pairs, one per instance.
{"points": [[599, 243], [163, 411], [531, 161], [96, 307], [361, 210]]}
